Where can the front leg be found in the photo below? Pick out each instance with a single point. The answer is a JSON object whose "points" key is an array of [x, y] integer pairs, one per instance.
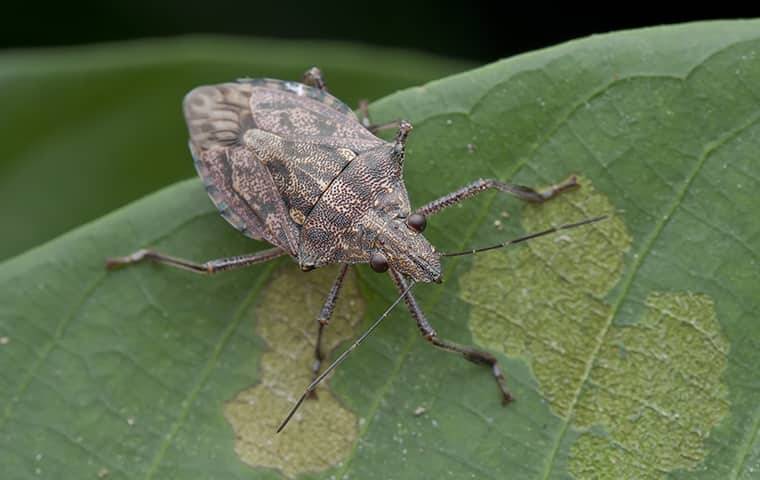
{"points": [[525, 194], [472, 354]]}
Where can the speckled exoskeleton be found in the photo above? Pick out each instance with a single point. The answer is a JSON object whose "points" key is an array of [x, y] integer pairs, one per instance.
{"points": [[288, 163]]}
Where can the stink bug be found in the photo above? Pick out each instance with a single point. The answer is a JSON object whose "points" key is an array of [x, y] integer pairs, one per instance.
{"points": [[288, 163]]}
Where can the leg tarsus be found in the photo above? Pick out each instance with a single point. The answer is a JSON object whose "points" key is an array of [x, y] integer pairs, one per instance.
{"points": [[478, 357], [570, 183], [377, 128], [506, 397], [528, 194], [114, 263]]}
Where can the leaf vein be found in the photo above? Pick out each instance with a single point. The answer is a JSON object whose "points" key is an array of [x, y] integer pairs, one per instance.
{"points": [[206, 372], [638, 262], [49, 347]]}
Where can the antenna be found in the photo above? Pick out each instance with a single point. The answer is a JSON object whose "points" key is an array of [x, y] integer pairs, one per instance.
{"points": [[531, 236], [339, 360]]}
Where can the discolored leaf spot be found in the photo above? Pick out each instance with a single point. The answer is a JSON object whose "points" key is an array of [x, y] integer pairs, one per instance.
{"points": [[544, 301], [323, 432], [656, 390], [653, 388]]}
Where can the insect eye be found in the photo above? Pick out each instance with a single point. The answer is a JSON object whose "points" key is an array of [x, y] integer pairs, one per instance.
{"points": [[417, 222], [378, 262]]}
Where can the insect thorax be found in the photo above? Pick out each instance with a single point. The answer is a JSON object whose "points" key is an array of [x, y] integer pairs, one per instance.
{"points": [[344, 224]]}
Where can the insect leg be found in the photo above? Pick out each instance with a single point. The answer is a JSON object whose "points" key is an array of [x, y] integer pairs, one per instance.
{"points": [[313, 77], [474, 355], [212, 266], [324, 318], [374, 128], [526, 194]]}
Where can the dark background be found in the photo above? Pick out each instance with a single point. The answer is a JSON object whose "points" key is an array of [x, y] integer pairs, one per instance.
{"points": [[478, 31], [96, 128]]}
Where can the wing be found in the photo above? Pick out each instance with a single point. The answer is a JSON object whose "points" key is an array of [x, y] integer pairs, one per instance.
{"points": [[302, 171], [344, 223], [237, 181], [267, 151]]}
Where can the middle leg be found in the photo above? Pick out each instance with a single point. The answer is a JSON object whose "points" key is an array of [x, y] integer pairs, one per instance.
{"points": [[474, 355], [324, 318]]}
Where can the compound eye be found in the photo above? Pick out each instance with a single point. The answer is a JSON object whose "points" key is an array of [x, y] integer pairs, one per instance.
{"points": [[378, 262], [417, 222]]}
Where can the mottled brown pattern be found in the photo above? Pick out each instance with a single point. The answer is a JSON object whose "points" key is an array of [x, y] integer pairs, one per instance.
{"points": [[217, 115], [292, 165], [299, 112], [302, 171], [252, 182], [356, 207]]}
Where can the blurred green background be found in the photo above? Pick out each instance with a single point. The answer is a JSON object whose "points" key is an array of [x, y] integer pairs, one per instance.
{"points": [[63, 88], [62, 165]]}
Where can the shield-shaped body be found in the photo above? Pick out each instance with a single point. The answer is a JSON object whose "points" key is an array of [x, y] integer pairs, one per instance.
{"points": [[292, 165]]}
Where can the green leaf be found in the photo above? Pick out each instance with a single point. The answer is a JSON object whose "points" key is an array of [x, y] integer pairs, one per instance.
{"points": [[90, 129], [632, 346]]}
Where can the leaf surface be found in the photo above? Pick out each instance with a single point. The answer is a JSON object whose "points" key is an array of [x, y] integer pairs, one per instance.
{"points": [[631, 345]]}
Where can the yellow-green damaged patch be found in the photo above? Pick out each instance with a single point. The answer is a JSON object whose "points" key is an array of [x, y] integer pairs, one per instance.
{"points": [[653, 392], [544, 300], [323, 432], [655, 389]]}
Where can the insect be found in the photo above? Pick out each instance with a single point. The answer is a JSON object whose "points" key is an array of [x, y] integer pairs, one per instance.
{"points": [[290, 164]]}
